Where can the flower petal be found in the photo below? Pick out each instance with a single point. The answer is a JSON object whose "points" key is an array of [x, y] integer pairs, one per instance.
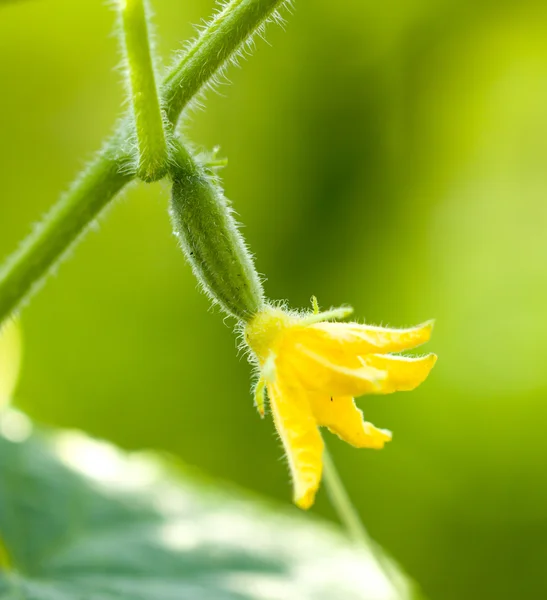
{"points": [[336, 339], [318, 373], [344, 419], [405, 373], [301, 439]]}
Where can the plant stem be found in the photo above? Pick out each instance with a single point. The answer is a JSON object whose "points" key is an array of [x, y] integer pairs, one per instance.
{"points": [[62, 225], [28, 267], [220, 41], [350, 519], [144, 96], [347, 513]]}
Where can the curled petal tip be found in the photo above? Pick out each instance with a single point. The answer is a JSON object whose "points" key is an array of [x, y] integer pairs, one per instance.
{"points": [[387, 436], [427, 363], [377, 437], [405, 373], [428, 326], [306, 500], [424, 331]]}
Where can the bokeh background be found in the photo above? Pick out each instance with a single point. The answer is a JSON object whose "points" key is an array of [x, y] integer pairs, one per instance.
{"points": [[392, 155]]}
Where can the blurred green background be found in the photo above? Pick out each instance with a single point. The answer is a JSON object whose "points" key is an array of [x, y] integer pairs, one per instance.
{"points": [[392, 155]]}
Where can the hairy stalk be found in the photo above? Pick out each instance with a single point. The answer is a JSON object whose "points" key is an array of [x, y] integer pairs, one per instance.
{"points": [[347, 513], [350, 519], [237, 21], [40, 252], [152, 145], [62, 225]]}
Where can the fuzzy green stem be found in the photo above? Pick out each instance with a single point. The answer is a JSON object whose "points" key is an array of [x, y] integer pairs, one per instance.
{"points": [[219, 42], [41, 251], [347, 513], [152, 146], [60, 228], [350, 519], [210, 239]]}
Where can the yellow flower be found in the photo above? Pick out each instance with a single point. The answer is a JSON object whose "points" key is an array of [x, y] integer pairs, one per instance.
{"points": [[313, 369]]}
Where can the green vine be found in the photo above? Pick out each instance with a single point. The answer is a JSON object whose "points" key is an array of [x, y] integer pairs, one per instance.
{"points": [[113, 168], [152, 145], [145, 146]]}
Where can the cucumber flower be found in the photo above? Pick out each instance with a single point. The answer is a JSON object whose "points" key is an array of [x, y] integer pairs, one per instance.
{"points": [[310, 367], [313, 368]]}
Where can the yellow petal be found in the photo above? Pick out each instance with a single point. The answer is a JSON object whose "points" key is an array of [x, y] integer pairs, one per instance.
{"points": [[317, 373], [301, 439], [404, 373], [344, 419], [332, 339]]}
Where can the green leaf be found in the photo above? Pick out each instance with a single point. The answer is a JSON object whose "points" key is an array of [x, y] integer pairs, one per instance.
{"points": [[80, 520]]}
